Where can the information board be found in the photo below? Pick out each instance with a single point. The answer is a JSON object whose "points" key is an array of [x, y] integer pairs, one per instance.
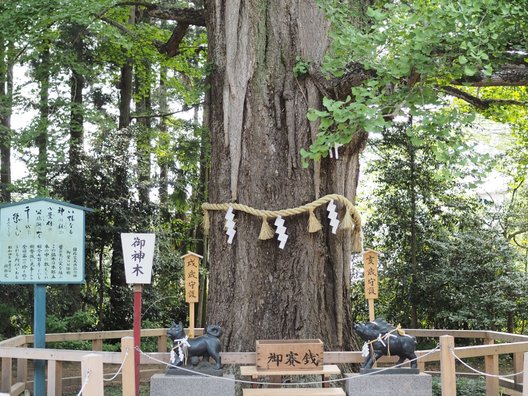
{"points": [[42, 242]]}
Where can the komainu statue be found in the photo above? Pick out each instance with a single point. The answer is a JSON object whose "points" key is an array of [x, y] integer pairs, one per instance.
{"points": [[382, 338], [194, 353]]}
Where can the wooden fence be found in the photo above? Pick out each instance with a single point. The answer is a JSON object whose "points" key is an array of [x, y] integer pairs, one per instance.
{"points": [[16, 352]]}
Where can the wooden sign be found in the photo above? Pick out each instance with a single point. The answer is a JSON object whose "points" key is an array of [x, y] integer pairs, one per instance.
{"points": [[370, 262], [191, 266], [289, 354]]}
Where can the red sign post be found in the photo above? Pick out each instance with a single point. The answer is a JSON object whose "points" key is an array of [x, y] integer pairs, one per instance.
{"points": [[138, 255]]}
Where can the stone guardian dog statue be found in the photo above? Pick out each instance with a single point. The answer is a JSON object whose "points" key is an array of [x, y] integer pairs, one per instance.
{"points": [[383, 339], [186, 349]]}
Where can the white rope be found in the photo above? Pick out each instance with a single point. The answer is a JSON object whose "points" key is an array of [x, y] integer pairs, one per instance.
{"points": [[330, 381], [481, 372], [85, 382], [120, 368]]}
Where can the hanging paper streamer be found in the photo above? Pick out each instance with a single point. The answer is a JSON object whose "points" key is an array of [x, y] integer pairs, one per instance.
{"points": [[332, 215], [230, 225], [336, 151], [350, 223], [281, 230]]}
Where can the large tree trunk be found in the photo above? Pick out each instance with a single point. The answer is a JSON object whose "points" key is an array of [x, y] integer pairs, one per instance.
{"points": [[258, 125], [75, 192], [6, 108], [163, 141], [118, 317], [143, 137], [41, 140]]}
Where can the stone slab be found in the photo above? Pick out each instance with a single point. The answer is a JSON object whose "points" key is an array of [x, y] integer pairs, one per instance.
{"points": [[384, 371], [389, 384], [192, 385], [202, 368]]}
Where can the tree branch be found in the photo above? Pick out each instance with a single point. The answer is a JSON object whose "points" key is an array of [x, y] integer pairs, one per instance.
{"points": [[482, 104], [184, 16], [172, 46], [120, 27], [189, 16], [508, 76], [339, 87], [162, 115]]}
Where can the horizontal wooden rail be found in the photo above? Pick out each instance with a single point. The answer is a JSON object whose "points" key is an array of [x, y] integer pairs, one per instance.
{"points": [[466, 334], [62, 355], [17, 341], [495, 344]]}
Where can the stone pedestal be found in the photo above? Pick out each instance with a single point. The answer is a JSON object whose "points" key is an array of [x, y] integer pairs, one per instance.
{"points": [[191, 385], [389, 384]]}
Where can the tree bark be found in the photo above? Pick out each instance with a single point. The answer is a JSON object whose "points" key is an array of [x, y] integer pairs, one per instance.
{"points": [[413, 242], [77, 83], [119, 317], [6, 108], [43, 77], [143, 136], [258, 125], [164, 142]]}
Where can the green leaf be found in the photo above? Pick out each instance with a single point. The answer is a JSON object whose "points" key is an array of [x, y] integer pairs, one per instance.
{"points": [[470, 70], [315, 114], [417, 142]]}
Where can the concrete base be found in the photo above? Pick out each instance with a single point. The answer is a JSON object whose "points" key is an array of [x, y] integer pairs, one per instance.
{"points": [[192, 385], [384, 371], [388, 384], [202, 369]]}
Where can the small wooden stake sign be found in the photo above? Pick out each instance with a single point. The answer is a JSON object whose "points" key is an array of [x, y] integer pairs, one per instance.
{"points": [[191, 265], [370, 262]]}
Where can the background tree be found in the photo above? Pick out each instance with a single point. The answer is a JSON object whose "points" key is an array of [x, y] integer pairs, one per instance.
{"points": [[444, 262], [76, 99]]}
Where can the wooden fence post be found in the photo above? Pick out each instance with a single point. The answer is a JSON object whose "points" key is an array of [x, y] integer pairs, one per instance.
{"points": [[162, 343], [525, 375], [518, 360], [491, 363], [447, 365], [21, 370], [7, 374], [97, 345], [54, 384], [92, 375], [129, 369]]}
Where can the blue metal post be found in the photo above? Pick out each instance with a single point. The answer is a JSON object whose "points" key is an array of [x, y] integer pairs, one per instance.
{"points": [[39, 332]]}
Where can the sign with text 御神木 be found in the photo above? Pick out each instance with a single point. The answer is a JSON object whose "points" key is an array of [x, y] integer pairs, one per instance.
{"points": [[42, 242], [138, 255]]}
